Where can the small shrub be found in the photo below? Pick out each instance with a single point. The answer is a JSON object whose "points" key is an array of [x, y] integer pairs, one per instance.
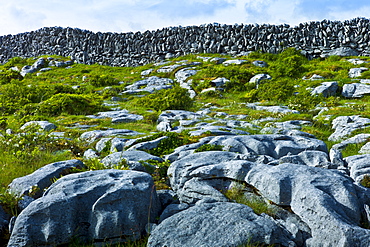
{"points": [[365, 181], [289, 64], [176, 98], [72, 104], [259, 206], [208, 147], [276, 90], [9, 202], [9, 75], [102, 81]]}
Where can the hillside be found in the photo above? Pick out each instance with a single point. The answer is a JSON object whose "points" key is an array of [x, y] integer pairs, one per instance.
{"points": [[285, 135]]}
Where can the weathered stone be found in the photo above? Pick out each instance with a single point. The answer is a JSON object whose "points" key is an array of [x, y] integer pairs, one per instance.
{"points": [[121, 116], [219, 82], [345, 125], [356, 72], [35, 183], [259, 78], [274, 109], [164, 126], [217, 60], [326, 89], [105, 205], [357, 139], [236, 62], [94, 135], [175, 115], [312, 193], [150, 84], [260, 63], [90, 154], [343, 52], [146, 72], [134, 160], [204, 222], [147, 145], [355, 90], [43, 125], [359, 166]]}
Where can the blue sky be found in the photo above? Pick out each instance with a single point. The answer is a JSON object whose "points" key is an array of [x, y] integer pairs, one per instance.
{"points": [[17, 16]]}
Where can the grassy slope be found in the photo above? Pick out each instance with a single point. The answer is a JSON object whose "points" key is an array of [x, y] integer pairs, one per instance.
{"points": [[22, 101]]}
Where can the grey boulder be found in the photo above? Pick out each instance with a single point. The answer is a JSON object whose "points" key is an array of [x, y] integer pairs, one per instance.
{"points": [[345, 125], [105, 205], [121, 116], [91, 136], [203, 175], [134, 160], [356, 72], [150, 84], [259, 78], [260, 63], [359, 166], [221, 224], [43, 125], [326, 89], [34, 184], [326, 200], [355, 90], [343, 52]]}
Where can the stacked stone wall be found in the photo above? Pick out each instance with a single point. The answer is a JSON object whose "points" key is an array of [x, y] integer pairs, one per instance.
{"points": [[133, 49]]}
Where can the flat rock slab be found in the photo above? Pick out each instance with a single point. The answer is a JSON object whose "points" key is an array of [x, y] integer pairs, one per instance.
{"points": [[355, 90], [326, 200], [345, 125], [150, 84], [175, 115], [94, 135], [217, 224], [326, 89], [274, 109], [105, 205], [359, 166], [35, 183], [275, 146], [43, 125], [121, 116], [133, 159]]}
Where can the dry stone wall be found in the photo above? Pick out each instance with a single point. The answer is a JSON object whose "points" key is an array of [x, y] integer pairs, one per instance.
{"points": [[133, 49]]}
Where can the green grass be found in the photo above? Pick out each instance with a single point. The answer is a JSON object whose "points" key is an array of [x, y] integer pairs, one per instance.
{"points": [[259, 205], [25, 99]]}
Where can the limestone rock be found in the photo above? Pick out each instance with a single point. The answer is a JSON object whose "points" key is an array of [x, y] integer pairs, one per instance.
{"points": [[359, 166], [356, 72], [43, 125], [355, 90], [345, 125], [343, 52], [311, 192], [134, 160], [94, 135], [259, 78], [204, 222], [260, 63], [234, 62], [150, 84], [105, 205], [35, 183], [326, 89], [219, 82]]}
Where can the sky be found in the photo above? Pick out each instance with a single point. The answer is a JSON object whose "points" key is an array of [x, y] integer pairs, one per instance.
{"points": [[18, 16]]}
